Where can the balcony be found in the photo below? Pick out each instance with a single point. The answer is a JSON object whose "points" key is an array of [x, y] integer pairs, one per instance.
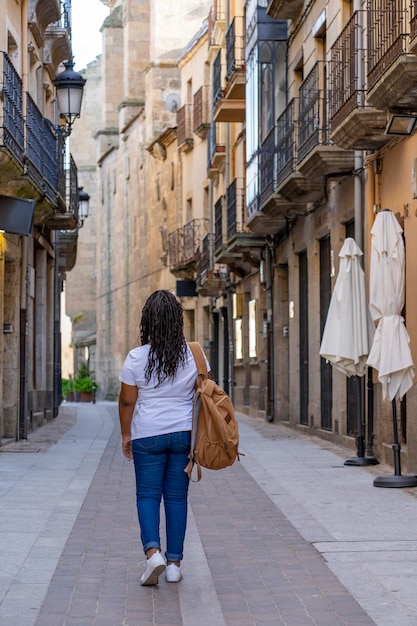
{"points": [[290, 182], [354, 123], [201, 115], [32, 157], [284, 9], [211, 278], [185, 138], [392, 68], [216, 151], [230, 101], [183, 247], [42, 13], [12, 143], [58, 40], [317, 155], [237, 247], [67, 250]]}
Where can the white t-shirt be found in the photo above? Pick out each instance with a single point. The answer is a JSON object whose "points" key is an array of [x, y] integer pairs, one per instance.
{"points": [[160, 409]]}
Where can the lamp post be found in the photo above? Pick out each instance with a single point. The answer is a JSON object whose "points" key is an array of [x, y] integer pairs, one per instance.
{"points": [[83, 204], [69, 86]]}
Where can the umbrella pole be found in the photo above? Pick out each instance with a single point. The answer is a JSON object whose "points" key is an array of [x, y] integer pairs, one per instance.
{"points": [[360, 459], [396, 480], [370, 420]]}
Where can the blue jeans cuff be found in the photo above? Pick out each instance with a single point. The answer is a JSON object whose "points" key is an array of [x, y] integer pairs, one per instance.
{"points": [[151, 544], [170, 556]]}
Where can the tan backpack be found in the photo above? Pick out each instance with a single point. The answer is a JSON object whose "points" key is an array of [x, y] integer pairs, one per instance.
{"points": [[215, 433]]}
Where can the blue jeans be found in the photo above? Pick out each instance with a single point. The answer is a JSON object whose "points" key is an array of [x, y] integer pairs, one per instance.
{"points": [[159, 466]]}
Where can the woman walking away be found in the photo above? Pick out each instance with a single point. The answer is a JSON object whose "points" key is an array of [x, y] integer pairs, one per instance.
{"points": [[155, 410]]}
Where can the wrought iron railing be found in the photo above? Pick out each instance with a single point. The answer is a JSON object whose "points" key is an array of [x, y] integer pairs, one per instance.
{"points": [[214, 146], [11, 120], [64, 21], [218, 223], [413, 19], [235, 47], [347, 71], [313, 128], [388, 35], [286, 142], [205, 255], [183, 243], [266, 166], [235, 212], [217, 79], [34, 141], [73, 192]]}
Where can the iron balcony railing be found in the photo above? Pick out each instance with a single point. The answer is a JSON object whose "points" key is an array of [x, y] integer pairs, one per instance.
{"points": [[41, 150], [286, 143], [413, 20], [73, 190], [175, 247], [11, 120], [347, 71], [313, 127], [214, 145], [183, 243], [266, 167], [235, 47], [205, 253], [217, 79], [388, 31], [218, 223], [64, 21], [235, 211]]}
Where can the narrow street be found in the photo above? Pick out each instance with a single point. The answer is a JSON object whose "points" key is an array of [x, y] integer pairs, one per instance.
{"points": [[287, 536]]}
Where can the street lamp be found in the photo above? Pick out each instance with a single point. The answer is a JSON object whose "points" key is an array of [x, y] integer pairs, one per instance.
{"points": [[69, 87], [83, 204], [401, 124]]}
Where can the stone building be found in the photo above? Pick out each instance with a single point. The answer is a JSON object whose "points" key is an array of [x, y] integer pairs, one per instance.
{"points": [[232, 163], [38, 209]]}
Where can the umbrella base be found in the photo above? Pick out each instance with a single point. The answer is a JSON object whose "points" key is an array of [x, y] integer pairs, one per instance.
{"points": [[391, 480], [362, 460]]}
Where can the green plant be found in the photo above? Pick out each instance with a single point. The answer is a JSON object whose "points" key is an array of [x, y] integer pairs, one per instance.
{"points": [[68, 386], [84, 380], [84, 385]]}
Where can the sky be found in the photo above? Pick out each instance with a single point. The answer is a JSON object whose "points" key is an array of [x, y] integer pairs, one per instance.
{"points": [[87, 19]]}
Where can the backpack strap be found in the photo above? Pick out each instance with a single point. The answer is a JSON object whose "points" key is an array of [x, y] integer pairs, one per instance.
{"points": [[200, 362], [199, 359]]}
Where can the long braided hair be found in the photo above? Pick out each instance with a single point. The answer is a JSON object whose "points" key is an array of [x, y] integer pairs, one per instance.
{"points": [[162, 326]]}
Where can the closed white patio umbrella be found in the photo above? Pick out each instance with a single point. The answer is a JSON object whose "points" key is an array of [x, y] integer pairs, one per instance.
{"points": [[390, 354], [348, 332]]}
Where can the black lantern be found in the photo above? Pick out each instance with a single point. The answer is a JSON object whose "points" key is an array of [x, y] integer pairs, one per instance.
{"points": [[83, 204], [69, 87]]}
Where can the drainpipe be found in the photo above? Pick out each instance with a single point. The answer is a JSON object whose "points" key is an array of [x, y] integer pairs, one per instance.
{"points": [[22, 430], [270, 329]]}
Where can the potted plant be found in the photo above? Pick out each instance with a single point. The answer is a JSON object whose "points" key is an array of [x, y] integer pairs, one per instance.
{"points": [[84, 383], [68, 387]]}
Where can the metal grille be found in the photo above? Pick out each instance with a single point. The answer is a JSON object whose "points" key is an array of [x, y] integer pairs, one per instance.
{"points": [[12, 125], [34, 141], [266, 166], [217, 79], [235, 47], [388, 35], [347, 69], [235, 208], [286, 143], [312, 113], [218, 224]]}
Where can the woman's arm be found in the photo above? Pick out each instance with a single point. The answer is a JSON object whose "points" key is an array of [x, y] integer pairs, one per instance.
{"points": [[127, 400]]}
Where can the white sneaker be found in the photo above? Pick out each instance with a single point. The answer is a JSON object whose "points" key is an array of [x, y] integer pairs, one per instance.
{"points": [[173, 573], [153, 569]]}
